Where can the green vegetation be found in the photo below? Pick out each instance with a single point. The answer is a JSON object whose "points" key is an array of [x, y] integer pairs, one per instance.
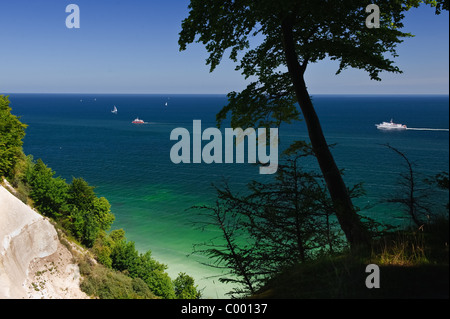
{"points": [[109, 284], [413, 264], [281, 240], [284, 229], [273, 226], [12, 132], [274, 42], [75, 206], [301, 235], [120, 271]]}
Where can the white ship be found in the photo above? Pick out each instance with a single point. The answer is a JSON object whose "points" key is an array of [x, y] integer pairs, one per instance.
{"points": [[390, 126]]}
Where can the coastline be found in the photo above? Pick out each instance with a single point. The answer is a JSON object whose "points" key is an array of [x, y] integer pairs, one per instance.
{"points": [[149, 195], [34, 264]]}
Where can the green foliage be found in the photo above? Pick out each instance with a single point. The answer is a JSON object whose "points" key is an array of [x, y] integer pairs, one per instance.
{"points": [[102, 249], [153, 273], [185, 288], [127, 259], [19, 180], [76, 206], [115, 252], [272, 227], [413, 265], [320, 29], [81, 195], [48, 193], [440, 5], [12, 132], [273, 42], [102, 213], [89, 215], [105, 283], [123, 272], [125, 256]]}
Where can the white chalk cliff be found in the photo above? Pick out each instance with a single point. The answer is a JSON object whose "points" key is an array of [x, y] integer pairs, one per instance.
{"points": [[33, 262]]}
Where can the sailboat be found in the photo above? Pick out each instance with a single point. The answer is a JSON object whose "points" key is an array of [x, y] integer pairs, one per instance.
{"points": [[166, 104], [114, 111]]}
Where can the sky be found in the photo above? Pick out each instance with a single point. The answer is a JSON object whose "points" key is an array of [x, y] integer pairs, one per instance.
{"points": [[131, 47]]}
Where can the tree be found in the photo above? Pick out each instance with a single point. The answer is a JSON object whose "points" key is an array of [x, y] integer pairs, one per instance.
{"points": [[127, 259], [413, 195], [291, 218], [226, 251], [81, 194], [48, 193], [272, 226], [154, 274], [185, 287], [12, 131], [440, 5], [89, 214], [292, 35]]}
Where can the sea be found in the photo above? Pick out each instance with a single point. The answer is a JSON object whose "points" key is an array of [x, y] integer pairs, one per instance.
{"points": [[77, 135]]}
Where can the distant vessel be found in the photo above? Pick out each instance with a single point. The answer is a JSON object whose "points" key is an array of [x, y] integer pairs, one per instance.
{"points": [[138, 121], [114, 111], [390, 126], [166, 104]]}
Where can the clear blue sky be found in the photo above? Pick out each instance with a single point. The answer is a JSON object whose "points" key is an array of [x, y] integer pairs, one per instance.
{"points": [[132, 47]]}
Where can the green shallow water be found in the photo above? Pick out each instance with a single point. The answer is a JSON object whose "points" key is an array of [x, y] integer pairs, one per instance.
{"points": [[150, 196]]}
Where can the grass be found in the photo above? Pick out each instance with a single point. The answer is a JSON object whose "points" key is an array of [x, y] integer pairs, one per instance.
{"points": [[414, 264], [105, 283]]}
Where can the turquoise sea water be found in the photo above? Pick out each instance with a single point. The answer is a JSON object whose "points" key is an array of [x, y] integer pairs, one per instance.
{"points": [[78, 136]]}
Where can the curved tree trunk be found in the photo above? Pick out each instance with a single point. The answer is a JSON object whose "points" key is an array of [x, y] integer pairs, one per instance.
{"points": [[349, 221]]}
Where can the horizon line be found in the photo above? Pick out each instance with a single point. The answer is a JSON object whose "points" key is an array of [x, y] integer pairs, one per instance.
{"points": [[99, 93]]}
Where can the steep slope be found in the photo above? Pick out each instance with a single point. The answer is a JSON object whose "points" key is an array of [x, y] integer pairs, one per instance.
{"points": [[33, 262]]}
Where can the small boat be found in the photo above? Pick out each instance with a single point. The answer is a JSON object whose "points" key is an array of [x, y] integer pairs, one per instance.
{"points": [[166, 104], [390, 126], [114, 111], [138, 121]]}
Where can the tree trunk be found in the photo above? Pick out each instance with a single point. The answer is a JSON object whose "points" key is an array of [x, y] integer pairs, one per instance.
{"points": [[349, 221]]}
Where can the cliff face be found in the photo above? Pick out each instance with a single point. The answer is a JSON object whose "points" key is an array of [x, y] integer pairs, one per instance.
{"points": [[33, 262]]}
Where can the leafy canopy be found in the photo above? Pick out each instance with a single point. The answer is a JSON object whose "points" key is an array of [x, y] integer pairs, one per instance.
{"points": [[251, 33], [12, 131]]}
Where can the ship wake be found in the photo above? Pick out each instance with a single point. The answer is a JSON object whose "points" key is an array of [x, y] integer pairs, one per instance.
{"points": [[427, 129]]}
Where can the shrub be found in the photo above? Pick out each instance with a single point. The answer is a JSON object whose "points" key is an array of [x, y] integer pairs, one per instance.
{"points": [[12, 132], [185, 288], [48, 193], [105, 283]]}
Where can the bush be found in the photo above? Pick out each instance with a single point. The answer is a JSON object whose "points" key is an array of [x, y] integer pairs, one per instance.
{"points": [[185, 288], [125, 257], [89, 214], [105, 283], [12, 132], [48, 193]]}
